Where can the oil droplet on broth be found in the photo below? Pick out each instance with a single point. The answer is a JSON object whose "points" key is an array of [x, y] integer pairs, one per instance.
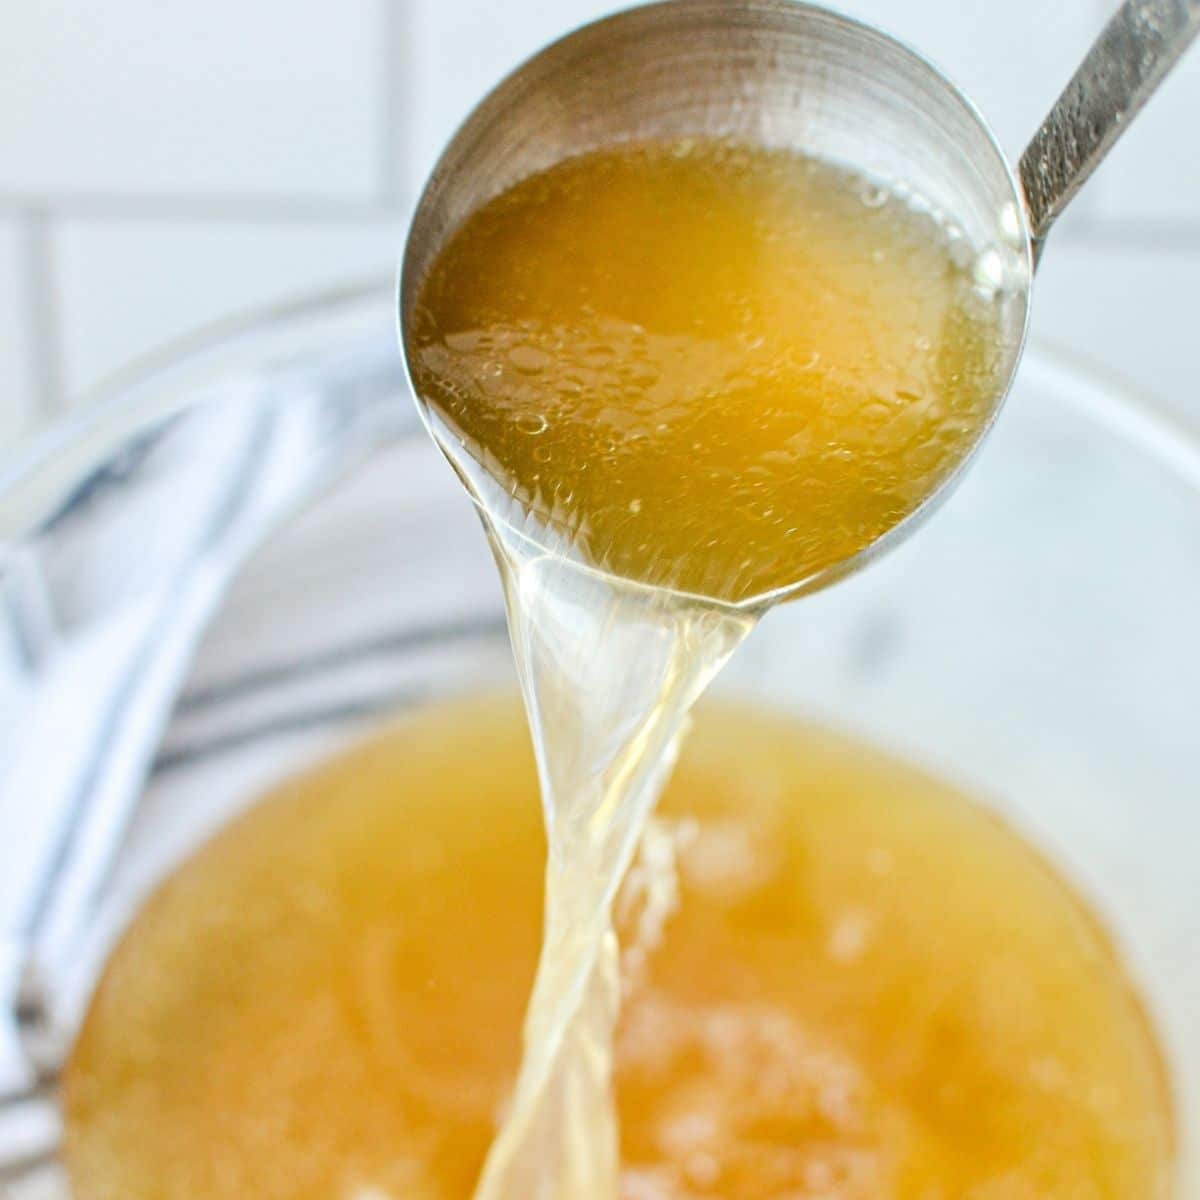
{"points": [[712, 314]]}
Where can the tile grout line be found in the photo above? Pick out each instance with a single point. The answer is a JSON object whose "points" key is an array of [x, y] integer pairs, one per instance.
{"points": [[44, 313], [129, 206]]}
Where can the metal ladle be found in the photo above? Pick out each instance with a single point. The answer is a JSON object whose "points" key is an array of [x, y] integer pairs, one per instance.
{"points": [[793, 75]]}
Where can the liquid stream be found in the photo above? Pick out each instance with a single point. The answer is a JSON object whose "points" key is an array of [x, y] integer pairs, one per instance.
{"points": [[676, 378]]}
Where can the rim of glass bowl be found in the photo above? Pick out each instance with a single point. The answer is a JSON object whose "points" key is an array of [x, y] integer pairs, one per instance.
{"points": [[145, 389]]}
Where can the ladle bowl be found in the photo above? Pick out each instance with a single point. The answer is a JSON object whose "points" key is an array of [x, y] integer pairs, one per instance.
{"points": [[795, 76]]}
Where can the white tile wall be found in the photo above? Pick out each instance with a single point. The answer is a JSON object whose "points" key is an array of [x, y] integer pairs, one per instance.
{"points": [[130, 286], [163, 164], [274, 97]]}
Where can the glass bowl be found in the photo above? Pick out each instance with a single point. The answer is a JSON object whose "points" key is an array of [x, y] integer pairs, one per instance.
{"points": [[240, 558]]}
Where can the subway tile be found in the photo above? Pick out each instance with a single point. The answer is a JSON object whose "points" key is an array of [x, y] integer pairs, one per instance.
{"points": [[277, 97], [18, 412], [129, 287], [1153, 172], [1128, 309]]}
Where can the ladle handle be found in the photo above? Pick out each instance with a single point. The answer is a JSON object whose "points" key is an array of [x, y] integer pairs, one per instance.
{"points": [[1129, 59]]}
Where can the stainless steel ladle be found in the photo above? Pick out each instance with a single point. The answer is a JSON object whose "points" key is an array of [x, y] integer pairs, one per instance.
{"points": [[786, 74]]}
